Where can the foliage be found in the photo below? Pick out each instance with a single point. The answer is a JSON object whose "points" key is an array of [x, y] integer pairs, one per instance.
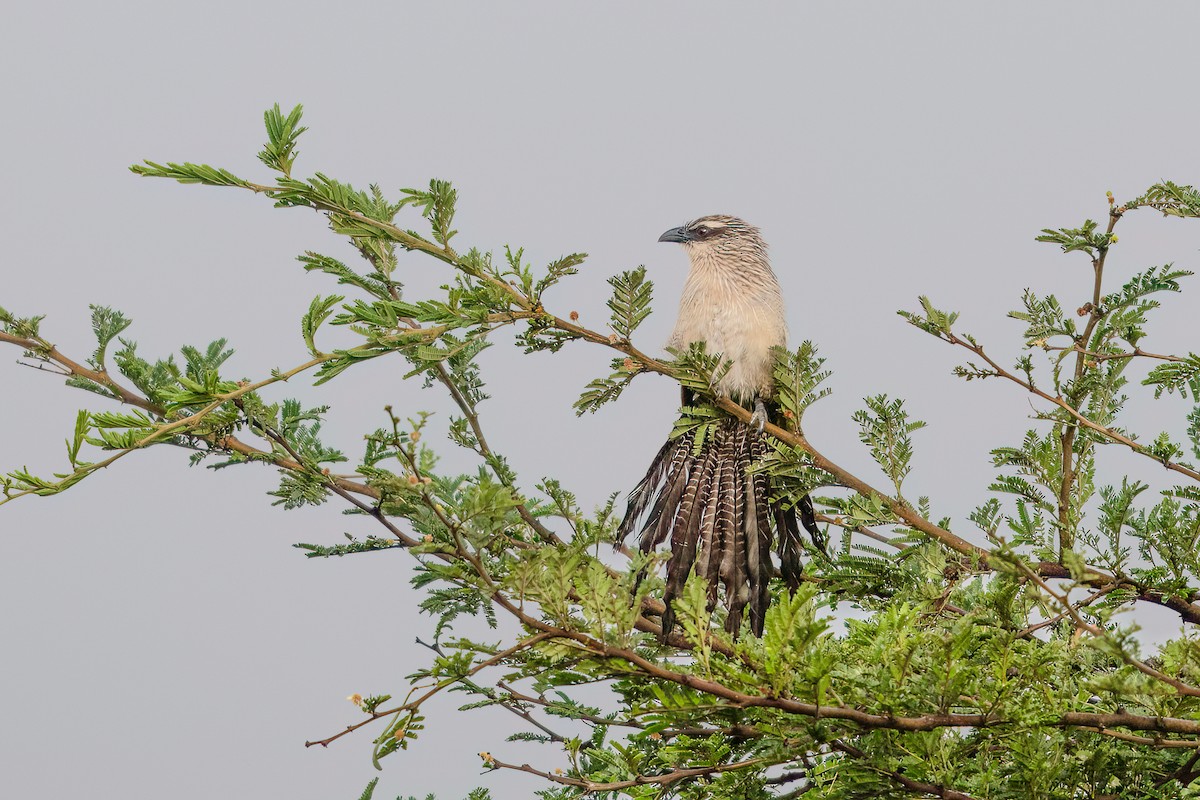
{"points": [[983, 658]]}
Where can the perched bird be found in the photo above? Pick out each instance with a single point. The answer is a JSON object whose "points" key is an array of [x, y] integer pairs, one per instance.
{"points": [[720, 519]]}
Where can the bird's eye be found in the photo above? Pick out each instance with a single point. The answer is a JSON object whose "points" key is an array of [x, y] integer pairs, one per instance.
{"points": [[702, 232]]}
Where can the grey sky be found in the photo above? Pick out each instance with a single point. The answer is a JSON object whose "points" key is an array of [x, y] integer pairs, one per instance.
{"points": [[161, 638]]}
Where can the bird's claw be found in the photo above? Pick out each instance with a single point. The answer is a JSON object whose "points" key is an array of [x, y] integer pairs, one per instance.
{"points": [[758, 420]]}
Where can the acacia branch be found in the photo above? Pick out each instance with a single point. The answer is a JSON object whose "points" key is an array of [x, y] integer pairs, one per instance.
{"points": [[1107, 433], [472, 416], [1157, 742], [901, 509], [665, 779], [1070, 611], [911, 784], [414, 705], [735, 699], [342, 486], [1137, 352], [1141, 666], [1067, 439]]}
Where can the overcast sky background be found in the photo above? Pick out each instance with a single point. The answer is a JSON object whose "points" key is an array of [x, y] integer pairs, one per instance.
{"points": [[159, 635]]}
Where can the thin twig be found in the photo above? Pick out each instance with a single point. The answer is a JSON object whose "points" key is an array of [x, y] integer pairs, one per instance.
{"points": [[908, 783], [665, 779], [413, 705]]}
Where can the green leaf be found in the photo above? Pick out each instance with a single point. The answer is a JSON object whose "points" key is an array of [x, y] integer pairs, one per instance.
{"points": [[557, 270], [318, 311], [282, 132], [885, 429], [82, 427], [369, 792], [933, 320], [437, 206], [107, 324], [189, 173], [630, 301], [605, 390], [1088, 238], [1176, 376], [1172, 199], [797, 376]]}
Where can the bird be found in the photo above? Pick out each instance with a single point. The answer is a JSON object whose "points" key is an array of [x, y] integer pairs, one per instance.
{"points": [[722, 519]]}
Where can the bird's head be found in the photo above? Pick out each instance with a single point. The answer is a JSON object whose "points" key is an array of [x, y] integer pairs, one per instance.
{"points": [[717, 235]]}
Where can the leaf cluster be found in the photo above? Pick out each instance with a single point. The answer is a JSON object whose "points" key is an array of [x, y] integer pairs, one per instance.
{"points": [[906, 664]]}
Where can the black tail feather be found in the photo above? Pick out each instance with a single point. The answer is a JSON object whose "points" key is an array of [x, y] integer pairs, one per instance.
{"points": [[720, 520]]}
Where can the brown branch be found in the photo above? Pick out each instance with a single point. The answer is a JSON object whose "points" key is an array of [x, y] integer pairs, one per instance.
{"points": [[665, 779], [850, 525], [1137, 352], [1147, 741], [863, 719], [49, 352], [1087, 601], [1142, 667], [901, 509], [472, 416], [912, 785], [1067, 439], [739, 731], [908, 783], [1107, 433], [413, 705], [1189, 611]]}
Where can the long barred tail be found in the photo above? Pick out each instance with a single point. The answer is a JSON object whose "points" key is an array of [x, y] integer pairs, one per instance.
{"points": [[720, 521]]}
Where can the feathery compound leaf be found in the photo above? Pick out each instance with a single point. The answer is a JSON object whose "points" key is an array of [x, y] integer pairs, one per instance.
{"points": [[329, 192], [557, 270], [933, 320], [282, 133], [25, 327], [605, 390], [368, 792], [1045, 318], [1087, 238], [1176, 376], [437, 206], [1155, 279], [1173, 199], [189, 173], [630, 301], [697, 369], [318, 311], [82, 427], [797, 376], [331, 266], [884, 427], [107, 324]]}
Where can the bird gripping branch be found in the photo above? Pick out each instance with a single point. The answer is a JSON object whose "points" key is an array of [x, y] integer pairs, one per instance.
{"points": [[719, 517]]}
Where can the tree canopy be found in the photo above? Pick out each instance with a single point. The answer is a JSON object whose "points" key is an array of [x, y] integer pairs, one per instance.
{"points": [[995, 656]]}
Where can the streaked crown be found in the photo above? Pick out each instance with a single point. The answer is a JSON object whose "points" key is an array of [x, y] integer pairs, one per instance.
{"points": [[719, 232]]}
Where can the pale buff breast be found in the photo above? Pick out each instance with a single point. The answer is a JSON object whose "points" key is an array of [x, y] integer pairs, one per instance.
{"points": [[740, 316]]}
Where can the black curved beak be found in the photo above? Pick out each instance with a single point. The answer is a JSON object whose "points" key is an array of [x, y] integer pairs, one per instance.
{"points": [[676, 235]]}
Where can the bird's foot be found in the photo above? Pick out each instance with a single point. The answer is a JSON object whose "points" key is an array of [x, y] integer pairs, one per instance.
{"points": [[759, 419]]}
